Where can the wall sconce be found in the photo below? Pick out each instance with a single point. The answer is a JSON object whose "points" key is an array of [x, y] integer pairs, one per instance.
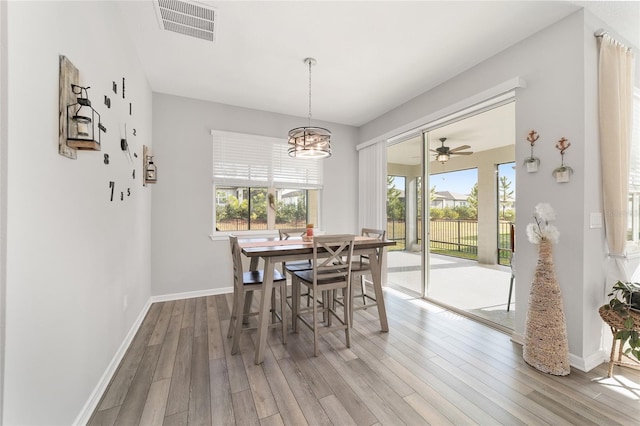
{"points": [[82, 122], [149, 168]]}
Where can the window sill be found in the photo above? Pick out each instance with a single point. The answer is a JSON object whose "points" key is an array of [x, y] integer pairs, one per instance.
{"points": [[224, 236]]}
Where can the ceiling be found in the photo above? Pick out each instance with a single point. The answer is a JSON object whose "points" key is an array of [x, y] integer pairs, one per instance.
{"points": [[371, 55], [491, 129]]}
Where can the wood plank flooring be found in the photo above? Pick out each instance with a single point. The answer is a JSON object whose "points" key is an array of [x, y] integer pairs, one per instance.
{"points": [[433, 367]]}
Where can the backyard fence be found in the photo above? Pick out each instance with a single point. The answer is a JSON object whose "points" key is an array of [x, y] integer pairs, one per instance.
{"points": [[454, 237]]}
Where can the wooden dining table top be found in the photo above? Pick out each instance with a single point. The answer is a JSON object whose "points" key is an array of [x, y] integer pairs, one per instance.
{"points": [[254, 247]]}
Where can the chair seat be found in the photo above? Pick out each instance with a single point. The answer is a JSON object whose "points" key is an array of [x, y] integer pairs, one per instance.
{"points": [[300, 265], [360, 267], [307, 276], [257, 277]]}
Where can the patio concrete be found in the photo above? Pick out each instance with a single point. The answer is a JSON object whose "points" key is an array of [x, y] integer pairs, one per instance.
{"points": [[466, 285]]}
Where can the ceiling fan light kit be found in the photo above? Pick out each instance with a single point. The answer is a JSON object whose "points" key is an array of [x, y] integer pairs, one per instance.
{"points": [[443, 153]]}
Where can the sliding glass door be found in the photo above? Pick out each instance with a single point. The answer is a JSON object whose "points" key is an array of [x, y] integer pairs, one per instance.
{"points": [[450, 207], [404, 218]]}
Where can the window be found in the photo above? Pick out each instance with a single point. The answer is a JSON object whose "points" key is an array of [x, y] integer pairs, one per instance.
{"points": [[633, 220], [396, 207], [257, 186]]}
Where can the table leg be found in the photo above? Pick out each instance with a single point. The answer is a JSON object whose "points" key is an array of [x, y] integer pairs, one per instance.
{"points": [[265, 305], [376, 274]]}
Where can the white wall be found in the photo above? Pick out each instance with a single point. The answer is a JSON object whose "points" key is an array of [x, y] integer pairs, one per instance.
{"points": [[72, 255], [184, 259], [557, 65], [3, 189]]}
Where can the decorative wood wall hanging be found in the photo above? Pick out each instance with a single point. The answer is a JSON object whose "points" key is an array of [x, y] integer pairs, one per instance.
{"points": [[79, 125], [68, 75], [149, 168]]}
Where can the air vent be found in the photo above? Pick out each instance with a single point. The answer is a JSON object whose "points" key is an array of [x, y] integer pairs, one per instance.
{"points": [[186, 17]]}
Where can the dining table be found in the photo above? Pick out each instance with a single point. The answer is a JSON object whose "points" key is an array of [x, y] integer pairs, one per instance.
{"points": [[274, 251]]}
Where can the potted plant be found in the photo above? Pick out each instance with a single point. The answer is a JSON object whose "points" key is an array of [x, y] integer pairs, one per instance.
{"points": [[562, 173], [532, 162], [622, 313]]}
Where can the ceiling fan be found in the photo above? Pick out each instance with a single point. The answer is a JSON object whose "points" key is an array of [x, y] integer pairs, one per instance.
{"points": [[444, 152]]}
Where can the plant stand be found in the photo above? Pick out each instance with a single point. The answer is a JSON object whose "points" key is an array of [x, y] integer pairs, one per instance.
{"points": [[616, 323], [546, 346]]}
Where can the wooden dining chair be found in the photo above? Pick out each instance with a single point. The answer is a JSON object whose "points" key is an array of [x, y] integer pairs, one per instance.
{"points": [[360, 270], [251, 281], [331, 271], [295, 265]]}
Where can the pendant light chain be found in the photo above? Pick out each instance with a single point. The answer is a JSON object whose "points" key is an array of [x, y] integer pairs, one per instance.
{"points": [[309, 142], [310, 63]]}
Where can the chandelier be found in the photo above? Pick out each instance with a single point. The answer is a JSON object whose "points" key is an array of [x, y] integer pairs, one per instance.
{"points": [[309, 142]]}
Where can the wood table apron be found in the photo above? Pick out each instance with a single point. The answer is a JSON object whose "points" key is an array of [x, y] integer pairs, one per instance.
{"points": [[276, 251]]}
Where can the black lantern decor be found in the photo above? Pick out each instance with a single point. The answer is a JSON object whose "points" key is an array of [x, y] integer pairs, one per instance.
{"points": [[149, 169], [82, 122]]}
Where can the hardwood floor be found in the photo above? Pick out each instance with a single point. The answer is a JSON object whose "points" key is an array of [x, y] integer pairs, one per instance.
{"points": [[433, 367]]}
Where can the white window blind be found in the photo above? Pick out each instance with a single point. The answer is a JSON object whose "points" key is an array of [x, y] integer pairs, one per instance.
{"points": [[634, 160], [249, 160]]}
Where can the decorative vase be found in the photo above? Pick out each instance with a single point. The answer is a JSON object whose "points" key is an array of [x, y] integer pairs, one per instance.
{"points": [[545, 341]]}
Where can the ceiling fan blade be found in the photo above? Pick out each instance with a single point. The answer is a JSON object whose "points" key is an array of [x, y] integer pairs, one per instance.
{"points": [[460, 148], [433, 150], [461, 153]]}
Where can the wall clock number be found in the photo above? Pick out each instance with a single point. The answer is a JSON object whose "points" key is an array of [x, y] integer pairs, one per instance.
{"points": [[121, 195], [112, 185], [106, 159]]}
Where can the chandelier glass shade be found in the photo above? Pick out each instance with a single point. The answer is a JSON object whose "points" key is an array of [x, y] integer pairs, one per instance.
{"points": [[309, 142]]}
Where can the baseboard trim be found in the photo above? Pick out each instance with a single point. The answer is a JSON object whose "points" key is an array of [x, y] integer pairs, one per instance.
{"points": [[93, 401], [517, 338], [190, 294], [589, 363]]}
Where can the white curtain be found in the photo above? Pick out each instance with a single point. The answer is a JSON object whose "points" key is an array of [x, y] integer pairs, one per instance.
{"points": [[615, 91], [372, 180]]}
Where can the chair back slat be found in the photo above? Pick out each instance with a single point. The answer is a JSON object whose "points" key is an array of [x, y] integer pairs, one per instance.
{"points": [[374, 233], [332, 256], [287, 233], [363, 260], [237, 262]]}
